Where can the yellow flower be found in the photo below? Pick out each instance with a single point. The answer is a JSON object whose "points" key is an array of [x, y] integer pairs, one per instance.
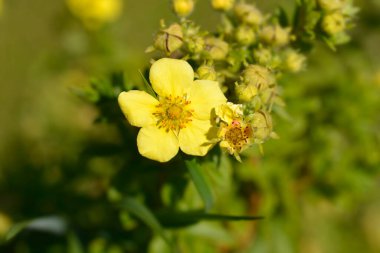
{"points": [[222, 5], [183, 8], [234, 133], [94, 13], [179, 118]]}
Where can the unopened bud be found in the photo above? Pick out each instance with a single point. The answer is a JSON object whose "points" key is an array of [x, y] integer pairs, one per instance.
{"points": [[333, 23], [245, 92], [275, 35], [245, 35], [294, 61], [215, 48], [196, 44], [169, 39], [183, 8], [261, 125], [206, 72], [258, 76], [249, 14], [330, 5], [222, 5]]}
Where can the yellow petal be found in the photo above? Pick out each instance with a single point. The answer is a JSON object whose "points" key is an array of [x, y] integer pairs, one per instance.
{"points": [[157, 144], [204, 96], [171, 77], [229, 111], [196, 138], [138, 107]]}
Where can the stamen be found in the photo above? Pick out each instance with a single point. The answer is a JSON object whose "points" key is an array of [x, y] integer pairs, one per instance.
{"points": [[173, 113]]}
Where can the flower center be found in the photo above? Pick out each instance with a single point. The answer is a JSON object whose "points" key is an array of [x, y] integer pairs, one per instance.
{"points": [[173, 113], [237, 136]]}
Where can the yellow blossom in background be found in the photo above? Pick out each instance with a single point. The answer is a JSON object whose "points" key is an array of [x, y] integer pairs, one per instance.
{"points": [[1, 7], [183, 8], [95, 13], [234, 133], [179, 118], [222, 5]]}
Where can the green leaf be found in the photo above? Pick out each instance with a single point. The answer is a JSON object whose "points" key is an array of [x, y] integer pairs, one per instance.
{"points": [[200, 183], [51, 224], [139, 210], [15, 230], [175, 219], [148, 87]]}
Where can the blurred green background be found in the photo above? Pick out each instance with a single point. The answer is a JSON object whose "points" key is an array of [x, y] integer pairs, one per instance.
{"points": [[318, 185]]}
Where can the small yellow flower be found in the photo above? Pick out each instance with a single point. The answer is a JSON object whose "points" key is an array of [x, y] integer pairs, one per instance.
{"points": [[94, 13], [180, 118], [183, 8], [222, 5], [234, 133]]}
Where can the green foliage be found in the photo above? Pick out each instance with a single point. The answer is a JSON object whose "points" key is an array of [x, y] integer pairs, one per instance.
{"points": [[315, 186]]}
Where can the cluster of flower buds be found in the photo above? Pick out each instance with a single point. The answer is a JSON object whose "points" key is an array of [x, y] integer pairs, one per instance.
{"points": [[337, 16], [247, 56]]}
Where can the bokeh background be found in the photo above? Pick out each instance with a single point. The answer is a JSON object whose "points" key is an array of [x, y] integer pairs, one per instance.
{"points": [[318, 185]]}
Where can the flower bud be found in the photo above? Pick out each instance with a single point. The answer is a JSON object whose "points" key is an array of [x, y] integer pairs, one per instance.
{"points": [[258, 76], [275, 35], [215, 48], [183, 8], [333, 23], [222, 5], [249, 14], [245, 35], [169, 39], [196, 44], [245, 92], [330, 5], [96, 12], [263, 56], [294, 61], [261, 125], [206, 72]]}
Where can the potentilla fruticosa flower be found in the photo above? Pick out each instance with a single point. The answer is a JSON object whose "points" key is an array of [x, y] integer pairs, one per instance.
{"points": [[179, 118], [234, 133]]}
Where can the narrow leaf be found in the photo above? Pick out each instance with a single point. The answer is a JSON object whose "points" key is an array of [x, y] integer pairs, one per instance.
{"points": [[200, 183], [175, 219], [50, 224], [140, 211], [147, 86]]}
